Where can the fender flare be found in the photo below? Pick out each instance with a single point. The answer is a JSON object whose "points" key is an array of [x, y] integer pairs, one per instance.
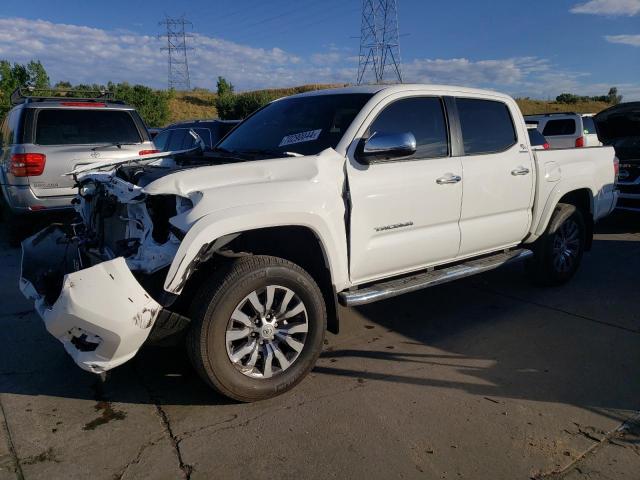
{"points": [[554, 198], [213, 231]]}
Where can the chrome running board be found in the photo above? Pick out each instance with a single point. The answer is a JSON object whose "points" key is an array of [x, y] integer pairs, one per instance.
{"points": [[393, 288]]}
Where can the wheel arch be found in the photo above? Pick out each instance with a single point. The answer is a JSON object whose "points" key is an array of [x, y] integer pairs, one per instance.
{"points": [[303, 243], [580, 197]]}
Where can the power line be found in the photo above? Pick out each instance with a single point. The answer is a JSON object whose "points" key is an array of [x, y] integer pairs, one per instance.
{"points": [[379, 42], [178, 66]]}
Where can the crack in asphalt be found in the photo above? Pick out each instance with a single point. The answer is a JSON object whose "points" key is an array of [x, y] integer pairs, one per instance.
{"points": [[608, 438], [245, 422], [12, 450], [187, 469], [136, 459]]}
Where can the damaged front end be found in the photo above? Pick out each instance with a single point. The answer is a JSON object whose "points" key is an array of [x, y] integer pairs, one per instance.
{"points": [[95, 282]]}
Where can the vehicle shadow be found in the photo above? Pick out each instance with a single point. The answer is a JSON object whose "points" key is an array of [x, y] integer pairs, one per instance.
{"points": [[507, 339]]}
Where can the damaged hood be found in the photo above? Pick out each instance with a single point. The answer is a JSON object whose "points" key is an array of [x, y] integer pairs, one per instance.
{"points": [[238, 173], [114, 163], [217, 187]]}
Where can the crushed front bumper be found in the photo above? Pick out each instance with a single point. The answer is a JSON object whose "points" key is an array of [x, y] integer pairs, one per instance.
{"points": [[101, 314]]}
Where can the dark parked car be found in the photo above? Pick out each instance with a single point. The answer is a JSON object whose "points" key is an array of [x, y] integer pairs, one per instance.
{"points": [[619, 126], [176, 136]]}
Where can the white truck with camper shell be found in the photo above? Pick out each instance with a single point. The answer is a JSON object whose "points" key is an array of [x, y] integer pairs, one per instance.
{"points": [[337, 196]]}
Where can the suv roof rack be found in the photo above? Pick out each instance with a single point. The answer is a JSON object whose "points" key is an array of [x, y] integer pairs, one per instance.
{"points": [[28, 94]]}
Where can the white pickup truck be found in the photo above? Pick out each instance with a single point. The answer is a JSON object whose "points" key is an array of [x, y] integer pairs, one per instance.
{"points": [[339, 196]]}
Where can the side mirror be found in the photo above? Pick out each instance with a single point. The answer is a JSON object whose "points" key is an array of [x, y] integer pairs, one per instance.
{"points": [[198, 139], [381, 147]]}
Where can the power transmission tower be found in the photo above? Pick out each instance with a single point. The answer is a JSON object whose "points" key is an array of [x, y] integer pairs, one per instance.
{"points": [[379, 41], [176, 48]]}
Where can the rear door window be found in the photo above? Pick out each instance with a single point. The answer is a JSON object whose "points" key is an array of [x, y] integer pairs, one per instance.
{"points": [[422, 116], [85, 127], [177, 139], [536, 138], [566, 126], [589, 125], [160, 140], [487, 126]]}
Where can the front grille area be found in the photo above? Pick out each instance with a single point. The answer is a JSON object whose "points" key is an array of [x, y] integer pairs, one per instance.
{"points": [[629, 172], [631, 189], [628, 203]]}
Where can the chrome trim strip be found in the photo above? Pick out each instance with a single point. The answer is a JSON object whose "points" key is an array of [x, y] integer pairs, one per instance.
{"points": [[393, 288]]}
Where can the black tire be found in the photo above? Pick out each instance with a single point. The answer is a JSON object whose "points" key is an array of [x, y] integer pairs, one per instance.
{"points": [[220, 297], [558, 253]]}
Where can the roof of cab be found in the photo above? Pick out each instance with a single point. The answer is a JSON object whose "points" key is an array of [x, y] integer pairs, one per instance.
{"points": [[405, 87]]}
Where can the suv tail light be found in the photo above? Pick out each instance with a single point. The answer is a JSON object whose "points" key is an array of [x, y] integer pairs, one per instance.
{"points": [[27, 164], [579, 142], [147, 152]]}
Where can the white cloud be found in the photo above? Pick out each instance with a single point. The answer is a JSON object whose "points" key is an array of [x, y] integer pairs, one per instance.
{"points": [[633, 40], [609, 7], [92, 55]]}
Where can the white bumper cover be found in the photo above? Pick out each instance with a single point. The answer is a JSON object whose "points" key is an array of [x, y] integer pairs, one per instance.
{"points": [[102, 315]]}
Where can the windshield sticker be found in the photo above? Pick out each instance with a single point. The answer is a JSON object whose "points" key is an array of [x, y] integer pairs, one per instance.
{"points": [[301, 137]]}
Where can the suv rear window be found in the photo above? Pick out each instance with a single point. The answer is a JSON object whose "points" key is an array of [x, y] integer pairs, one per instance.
{"points": [[85, 127], [487, 126], [565, 126]]}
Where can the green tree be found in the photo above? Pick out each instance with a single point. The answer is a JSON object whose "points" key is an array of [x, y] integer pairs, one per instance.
{"points": [[17, 75], [224, 87], [613, 96], [152, 105]]}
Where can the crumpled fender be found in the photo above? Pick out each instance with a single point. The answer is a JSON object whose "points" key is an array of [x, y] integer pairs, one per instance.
{"points": [[327, 225]]}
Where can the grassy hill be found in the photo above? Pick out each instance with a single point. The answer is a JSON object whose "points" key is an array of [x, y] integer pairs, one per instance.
{"points": [[200, 103], [530, 107]]}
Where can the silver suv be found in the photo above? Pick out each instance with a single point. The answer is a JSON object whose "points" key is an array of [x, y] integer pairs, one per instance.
{"points": [[566, 129], [44, 137]]}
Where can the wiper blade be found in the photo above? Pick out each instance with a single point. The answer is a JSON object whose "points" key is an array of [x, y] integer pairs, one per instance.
{"points": [[270, 151], [109, 145]]}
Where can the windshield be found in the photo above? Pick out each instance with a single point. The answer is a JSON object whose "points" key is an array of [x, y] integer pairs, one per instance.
{"points": [[303, 125]]}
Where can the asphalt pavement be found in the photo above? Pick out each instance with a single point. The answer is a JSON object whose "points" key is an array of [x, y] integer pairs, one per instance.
{"points": [[485, 378]]}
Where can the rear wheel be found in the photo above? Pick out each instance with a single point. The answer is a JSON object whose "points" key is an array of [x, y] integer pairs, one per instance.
{"points": [[558, 253], [258, 328]]}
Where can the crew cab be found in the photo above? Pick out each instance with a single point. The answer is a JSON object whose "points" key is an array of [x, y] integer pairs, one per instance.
{"points": [[343, 196]]}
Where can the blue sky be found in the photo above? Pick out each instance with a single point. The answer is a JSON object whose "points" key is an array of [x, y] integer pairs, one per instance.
{"points": [[525, 48]]}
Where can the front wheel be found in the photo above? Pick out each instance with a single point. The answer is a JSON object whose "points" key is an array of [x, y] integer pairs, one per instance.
{"points": [[558, 253], [258, 328]]}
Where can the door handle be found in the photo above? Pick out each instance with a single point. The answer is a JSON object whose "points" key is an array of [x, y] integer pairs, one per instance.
{"points": [[520, 171], [448, 179]]}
